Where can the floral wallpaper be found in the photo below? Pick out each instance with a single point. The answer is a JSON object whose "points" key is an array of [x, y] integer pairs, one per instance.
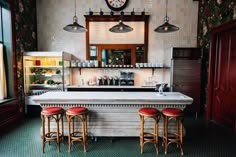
{"points": [[26, 40], [213, 13]]}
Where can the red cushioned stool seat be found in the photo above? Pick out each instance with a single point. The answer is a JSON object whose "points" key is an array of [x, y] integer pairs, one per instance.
{"points": [[172, 112], [56, 135], [176, 135], [146, 137], [76, 110], [147, 111], [52, 110], [79, 134]]}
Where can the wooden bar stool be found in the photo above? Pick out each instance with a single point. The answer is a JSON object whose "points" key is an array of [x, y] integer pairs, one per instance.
{"points": [[79, 134], [171, 136], [146, 137], [51, 113]]}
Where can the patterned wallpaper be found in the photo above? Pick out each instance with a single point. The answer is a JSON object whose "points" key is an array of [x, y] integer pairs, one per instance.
{"points": [[213, 13], [26, 39]]}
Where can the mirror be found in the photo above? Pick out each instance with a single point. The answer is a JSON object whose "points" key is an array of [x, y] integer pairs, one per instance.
{"points": [[116, 48], [116, 56]]}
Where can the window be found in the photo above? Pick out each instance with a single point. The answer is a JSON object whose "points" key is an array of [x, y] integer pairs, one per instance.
{"points": [[6, 42]]}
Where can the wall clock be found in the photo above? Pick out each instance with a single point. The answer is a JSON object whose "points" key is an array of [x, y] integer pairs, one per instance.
{"points": [[117, 5]]}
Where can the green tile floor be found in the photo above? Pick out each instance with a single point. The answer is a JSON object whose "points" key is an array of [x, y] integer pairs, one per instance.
{"points": [[202, 140]]}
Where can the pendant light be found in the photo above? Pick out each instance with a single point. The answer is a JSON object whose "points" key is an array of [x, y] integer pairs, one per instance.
{"points": [[121, 27], [75, 27], [166, 27]]}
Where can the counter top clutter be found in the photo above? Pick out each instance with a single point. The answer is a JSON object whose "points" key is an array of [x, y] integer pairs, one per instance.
{"points": [[114, 113]]}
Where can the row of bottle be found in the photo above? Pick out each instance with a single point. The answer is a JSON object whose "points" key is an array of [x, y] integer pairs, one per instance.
{"points": [[115, 82], [48, 62]]}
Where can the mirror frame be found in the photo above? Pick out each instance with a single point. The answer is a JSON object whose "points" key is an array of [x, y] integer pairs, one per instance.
{"points": [[112, 18]]}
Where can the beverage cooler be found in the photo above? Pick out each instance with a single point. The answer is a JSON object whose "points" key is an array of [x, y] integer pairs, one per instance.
{"points": [[43, 72]]}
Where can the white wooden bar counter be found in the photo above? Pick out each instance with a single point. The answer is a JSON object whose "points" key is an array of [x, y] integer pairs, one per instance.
{"points": [[114, 113]]}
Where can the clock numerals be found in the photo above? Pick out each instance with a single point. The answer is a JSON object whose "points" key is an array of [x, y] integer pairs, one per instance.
{"points": [[117, 5]]}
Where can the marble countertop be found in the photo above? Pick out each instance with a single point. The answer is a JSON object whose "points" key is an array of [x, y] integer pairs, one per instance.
{"points": [[152, 87], [114, 98]]}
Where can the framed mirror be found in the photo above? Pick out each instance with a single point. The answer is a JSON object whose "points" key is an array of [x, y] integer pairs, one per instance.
{"points": [[116, 48]]}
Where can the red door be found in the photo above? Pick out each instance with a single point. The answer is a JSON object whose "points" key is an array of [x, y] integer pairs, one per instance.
{"points": [[232, 81], [224, 86]]}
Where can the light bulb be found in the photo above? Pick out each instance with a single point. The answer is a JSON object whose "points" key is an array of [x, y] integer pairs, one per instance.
{"points": [[121, 28]]}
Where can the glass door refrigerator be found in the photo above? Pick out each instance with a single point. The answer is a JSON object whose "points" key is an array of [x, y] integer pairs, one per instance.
{"points": [[44, 71]]}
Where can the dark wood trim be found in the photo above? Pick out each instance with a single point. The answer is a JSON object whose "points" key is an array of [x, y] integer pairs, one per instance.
{"points": [[146, 33], [104, 18], [87, 39], [117, 46]]}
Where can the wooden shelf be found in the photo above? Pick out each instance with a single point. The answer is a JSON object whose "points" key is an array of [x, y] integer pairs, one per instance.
{"points": [[153, 68]]}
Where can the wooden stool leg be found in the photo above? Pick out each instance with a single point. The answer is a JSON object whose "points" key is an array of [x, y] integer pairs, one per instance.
{"points": [[166, 134], [58, 137], [141, 132], [181, 135], [84, 131], [177, 136], [163, 132], [62, 128], [43, 132], [48, 118], [156, 134], [73, 124], [69, 133], [86, 126]]}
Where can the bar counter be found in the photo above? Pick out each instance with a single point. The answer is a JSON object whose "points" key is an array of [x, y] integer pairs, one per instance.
{"points": [[114, 113]]}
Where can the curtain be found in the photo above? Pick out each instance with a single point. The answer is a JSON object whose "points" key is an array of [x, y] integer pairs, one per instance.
{"points": [[3, 83]]}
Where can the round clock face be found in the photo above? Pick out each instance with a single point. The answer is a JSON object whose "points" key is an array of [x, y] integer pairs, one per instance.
{"points": [[117, 5]]}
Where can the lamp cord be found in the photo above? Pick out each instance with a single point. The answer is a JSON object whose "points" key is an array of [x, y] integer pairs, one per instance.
{"points": [[166, 6], [75, 7]]}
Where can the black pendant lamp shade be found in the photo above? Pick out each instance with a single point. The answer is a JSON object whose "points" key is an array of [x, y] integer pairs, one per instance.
{"points": [[121, 28], [166, 27], [75, 27]]}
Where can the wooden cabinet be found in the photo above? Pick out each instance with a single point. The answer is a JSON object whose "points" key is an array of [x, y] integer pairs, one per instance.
{"points": [[9, 114], [186, 74], [221, 104]]}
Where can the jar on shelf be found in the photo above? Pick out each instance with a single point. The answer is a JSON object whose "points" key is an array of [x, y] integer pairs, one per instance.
{"points": [[37, 62]]}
